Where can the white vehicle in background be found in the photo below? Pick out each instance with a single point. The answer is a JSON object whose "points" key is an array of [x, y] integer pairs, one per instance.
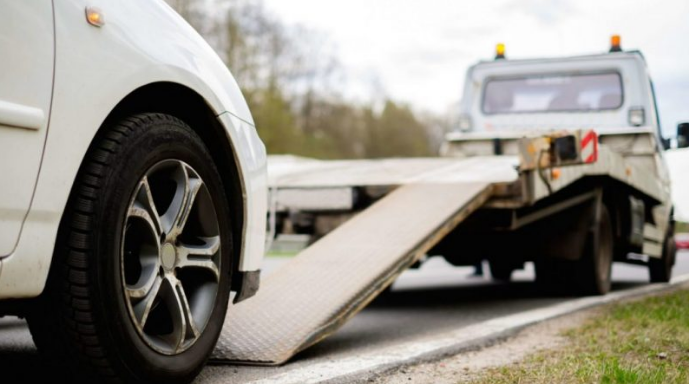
{"points": [[575, 158], [609, 93], [133, 190]]}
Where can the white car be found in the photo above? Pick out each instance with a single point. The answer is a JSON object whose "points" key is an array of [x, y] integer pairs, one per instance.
{"points": [[132, 189]]}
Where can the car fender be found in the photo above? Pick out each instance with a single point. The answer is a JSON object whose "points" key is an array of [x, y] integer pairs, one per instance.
{"points": [[141, 42]]}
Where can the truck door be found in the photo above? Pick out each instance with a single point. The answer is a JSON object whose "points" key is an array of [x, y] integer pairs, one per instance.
{"points": [[26, 84]]}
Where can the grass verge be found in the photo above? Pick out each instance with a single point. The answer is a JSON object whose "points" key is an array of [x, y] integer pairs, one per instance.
{"points": [[645, 341]]}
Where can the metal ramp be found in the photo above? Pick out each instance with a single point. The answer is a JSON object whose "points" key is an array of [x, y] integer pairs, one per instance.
{"points": [[315, 293]]}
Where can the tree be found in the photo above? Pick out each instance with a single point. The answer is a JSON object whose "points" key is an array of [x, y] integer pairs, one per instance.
{"points": [[286, 75], [396, 132]]}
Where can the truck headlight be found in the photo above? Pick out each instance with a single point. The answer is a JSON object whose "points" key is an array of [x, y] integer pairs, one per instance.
{"points": [[636, 116], [465, 123]]}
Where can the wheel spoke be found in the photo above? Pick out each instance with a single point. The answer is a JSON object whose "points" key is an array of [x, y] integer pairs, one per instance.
{"points": [[143, 307], [146, 281], [177, 316], [180, 314], [188, 185], [144, 207], [191, 330], [192, 187], [200, 256]]}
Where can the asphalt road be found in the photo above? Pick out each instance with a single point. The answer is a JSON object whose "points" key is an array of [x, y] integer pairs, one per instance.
{"points": [[426, 301]]}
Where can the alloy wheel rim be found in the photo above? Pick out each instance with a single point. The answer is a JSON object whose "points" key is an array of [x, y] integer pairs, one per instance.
{"points": [[170, 257]]}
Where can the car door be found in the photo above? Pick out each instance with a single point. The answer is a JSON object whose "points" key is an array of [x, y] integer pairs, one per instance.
{"points": [[26, 82]]}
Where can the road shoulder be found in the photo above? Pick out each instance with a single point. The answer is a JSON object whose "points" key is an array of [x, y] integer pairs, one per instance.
{"points": [[506, 359]]}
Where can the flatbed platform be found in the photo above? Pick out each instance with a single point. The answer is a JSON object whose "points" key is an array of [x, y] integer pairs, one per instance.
{"points": [[329, 282]]}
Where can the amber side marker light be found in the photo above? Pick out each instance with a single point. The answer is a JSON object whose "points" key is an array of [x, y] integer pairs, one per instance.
{"points": [[94, 16]]}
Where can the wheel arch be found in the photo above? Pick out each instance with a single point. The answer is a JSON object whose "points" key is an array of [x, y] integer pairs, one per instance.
{"points": [[190, 107]]}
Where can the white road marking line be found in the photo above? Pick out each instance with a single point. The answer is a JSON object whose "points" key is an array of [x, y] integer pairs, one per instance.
{"points": [[378, 360]]}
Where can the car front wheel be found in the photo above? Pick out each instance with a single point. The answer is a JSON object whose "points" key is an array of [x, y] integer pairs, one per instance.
{"points": [[140, 278]]}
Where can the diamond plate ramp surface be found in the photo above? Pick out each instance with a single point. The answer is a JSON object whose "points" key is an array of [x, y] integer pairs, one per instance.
{"points": [[315, 293]]}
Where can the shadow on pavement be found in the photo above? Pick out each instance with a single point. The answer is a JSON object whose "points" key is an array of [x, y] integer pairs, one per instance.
{"points": [[479, 293], [25, 367], [19, 359], [412, 313]]}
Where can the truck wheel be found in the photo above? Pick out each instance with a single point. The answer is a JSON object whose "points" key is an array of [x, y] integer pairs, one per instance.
{"points": [[140, 278], [500, 272], [593, 272], [554, 276], [660, 269]]}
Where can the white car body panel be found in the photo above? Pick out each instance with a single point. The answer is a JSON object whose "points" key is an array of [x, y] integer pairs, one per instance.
{"points": [[142, 42], [26, 86]]}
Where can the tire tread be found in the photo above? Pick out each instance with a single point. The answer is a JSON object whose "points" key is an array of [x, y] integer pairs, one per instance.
{"points": [[73, 265]]}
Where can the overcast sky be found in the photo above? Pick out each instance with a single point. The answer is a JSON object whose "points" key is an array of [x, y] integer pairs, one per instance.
{"points": [[419, 49]]}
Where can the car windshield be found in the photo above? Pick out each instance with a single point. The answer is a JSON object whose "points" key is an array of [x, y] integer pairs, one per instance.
{"points": [[553, 93]]}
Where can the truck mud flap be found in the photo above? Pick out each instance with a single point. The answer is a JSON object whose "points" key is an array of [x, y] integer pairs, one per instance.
{"points": [[315, 293]]}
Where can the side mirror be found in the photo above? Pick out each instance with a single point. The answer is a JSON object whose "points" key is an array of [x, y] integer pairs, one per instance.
{"points": [[683, 135]]}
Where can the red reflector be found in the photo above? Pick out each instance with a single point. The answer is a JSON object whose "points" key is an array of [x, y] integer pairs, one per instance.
{"points": [[589, 147]]}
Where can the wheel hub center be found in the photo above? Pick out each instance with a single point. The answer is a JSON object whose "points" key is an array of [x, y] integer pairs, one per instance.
{"points": [[168, 256]]}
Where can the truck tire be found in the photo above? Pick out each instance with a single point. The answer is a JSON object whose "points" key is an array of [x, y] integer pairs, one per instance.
{"points": [[554, 276], [500, 272], [140, 278], [593, 270], [660, 270], [591, 274]]}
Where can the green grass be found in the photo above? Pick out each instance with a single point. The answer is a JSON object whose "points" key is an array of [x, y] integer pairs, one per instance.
{"points": [[281, 255], [639, 342], [681, 227]]}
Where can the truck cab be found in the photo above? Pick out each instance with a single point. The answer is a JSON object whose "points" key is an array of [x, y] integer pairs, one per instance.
{"points": [[611, 93], [608, 91]]}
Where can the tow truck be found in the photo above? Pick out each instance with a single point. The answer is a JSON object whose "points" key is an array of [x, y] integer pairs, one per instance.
{"points": [[559, 162]]}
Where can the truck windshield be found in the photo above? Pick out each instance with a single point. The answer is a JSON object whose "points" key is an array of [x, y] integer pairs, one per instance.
{"points": [[553, 93]]}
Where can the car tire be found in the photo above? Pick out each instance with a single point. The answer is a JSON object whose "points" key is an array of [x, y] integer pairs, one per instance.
{"points": [[98, 317], [660, 270]]}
